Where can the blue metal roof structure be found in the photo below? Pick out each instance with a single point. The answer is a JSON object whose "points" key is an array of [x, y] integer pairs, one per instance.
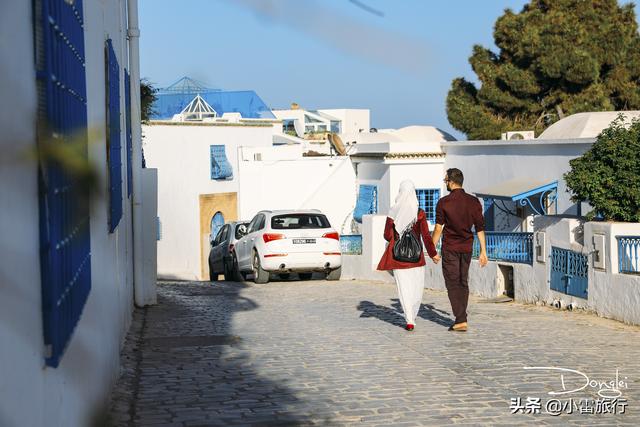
{"points": [[174, 98]]}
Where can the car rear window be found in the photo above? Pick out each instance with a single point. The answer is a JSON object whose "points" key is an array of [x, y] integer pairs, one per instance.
{"points": [[296, 221], [239, 235]]}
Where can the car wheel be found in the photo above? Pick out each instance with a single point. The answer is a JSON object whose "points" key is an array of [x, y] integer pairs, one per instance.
{"points": [[284, 276], [212, 275], [231, 272], [259, 275], [335, 274], [305, 276]]}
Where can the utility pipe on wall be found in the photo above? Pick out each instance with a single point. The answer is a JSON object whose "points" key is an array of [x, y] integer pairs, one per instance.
{"points": [[144, 293]]}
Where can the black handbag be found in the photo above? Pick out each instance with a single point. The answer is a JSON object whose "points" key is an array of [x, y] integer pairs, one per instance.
{"points": [[407, 248]]}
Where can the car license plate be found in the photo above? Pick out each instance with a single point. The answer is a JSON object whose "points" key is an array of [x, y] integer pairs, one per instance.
{"points": [[303, 241]]}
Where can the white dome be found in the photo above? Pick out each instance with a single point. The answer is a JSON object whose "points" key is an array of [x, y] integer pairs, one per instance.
{"points": [[422, 134], [585, 125]]}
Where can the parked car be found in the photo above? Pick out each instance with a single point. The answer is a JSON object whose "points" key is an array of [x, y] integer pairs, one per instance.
{"points": [[285, 241], [222, 257]]}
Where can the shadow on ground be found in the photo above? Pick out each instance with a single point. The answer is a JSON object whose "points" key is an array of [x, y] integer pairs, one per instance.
{"points": [[182, 364], [393, 314]]}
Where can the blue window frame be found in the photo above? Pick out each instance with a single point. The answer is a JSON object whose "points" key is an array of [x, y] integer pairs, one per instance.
{"points": [[427, 201], [65, 249], [127, 106], [114, 146], [367, 202], [220, 166]]}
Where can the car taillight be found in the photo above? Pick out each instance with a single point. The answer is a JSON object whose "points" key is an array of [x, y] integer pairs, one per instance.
{"points": [[267, 237], [231, 246], [332, 235]]}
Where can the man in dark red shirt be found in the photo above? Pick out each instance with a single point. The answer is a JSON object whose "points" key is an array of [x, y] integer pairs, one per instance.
{"points": [[457, 213]]}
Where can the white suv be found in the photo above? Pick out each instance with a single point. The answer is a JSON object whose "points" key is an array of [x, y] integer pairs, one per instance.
{"points": [[300, 241]]}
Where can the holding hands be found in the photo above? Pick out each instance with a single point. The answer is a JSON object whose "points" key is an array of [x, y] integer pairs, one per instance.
{"points": [[436, 259]]}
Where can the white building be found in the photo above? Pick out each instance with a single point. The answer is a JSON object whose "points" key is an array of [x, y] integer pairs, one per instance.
{"points": [[540, 248], [310, 127], [198, 178], [71, 266], [382, 160]]}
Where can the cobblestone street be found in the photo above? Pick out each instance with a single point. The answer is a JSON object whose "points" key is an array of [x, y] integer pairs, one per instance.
{"points": [[335, 353]]}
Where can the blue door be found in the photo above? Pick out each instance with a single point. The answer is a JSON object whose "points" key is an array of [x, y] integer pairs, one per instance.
{"points": [[569, 272]]}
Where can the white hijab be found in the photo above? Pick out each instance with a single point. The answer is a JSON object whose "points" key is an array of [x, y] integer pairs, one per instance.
{"points": [[405, 210]]}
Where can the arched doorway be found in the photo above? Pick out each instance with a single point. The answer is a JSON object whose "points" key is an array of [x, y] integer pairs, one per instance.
{"points": [[217, 221]]}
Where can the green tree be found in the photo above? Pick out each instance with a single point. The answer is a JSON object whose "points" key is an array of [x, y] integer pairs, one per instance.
{"points": [[147, 98], [607, 176], [556, 58]]}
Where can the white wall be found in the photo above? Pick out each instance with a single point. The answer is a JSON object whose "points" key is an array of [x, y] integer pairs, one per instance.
{"points": [[488, 163], [323, 183], [30, 394], [353, 120], [181, 153]]}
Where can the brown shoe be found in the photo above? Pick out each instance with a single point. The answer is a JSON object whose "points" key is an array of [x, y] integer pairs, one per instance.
{"points": [[459, 327]]}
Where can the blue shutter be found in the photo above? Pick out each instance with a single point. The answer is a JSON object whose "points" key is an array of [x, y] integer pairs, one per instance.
{"points": [[220, 166], [367, 202], [128, 124], [114, 147], [63, 202]]}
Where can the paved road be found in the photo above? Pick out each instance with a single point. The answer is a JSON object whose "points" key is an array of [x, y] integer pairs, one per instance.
{"points": [[335, 353]]}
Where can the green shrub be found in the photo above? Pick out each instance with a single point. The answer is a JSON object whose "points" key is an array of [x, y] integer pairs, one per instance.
{"points": [[608, 175]]}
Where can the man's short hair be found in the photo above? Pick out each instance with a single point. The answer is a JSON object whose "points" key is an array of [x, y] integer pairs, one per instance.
{"points": [[455, 175]]}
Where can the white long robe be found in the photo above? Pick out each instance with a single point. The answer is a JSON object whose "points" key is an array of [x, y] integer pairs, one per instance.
{"points": [[410, 282]]}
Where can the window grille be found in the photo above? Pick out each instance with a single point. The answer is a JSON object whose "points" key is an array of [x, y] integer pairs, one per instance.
{"points": [[220, 166], [65, 249], [427, 201], [367, 202]]}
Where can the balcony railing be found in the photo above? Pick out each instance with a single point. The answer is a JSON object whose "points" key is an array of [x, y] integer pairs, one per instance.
{"points": [[510, 247], [351, 244], [629, 254]]}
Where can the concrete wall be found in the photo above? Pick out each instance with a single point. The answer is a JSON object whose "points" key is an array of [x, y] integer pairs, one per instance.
{"points": [[181, 153], [30, 394], [325, 183], [611, 293], [486, 163]]}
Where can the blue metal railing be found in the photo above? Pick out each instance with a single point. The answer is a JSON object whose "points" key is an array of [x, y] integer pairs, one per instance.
{"points": [[629, 254], [510, 247], [351, 244]]}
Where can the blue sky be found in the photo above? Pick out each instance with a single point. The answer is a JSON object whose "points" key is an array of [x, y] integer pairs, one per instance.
{"points": [[323, 53]]}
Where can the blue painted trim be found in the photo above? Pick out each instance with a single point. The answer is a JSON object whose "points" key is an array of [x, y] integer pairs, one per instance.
{"points": [[534, 191]]}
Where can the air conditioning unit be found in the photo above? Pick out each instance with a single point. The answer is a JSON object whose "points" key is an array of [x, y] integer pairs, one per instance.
{"points": [[517, 135]]}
